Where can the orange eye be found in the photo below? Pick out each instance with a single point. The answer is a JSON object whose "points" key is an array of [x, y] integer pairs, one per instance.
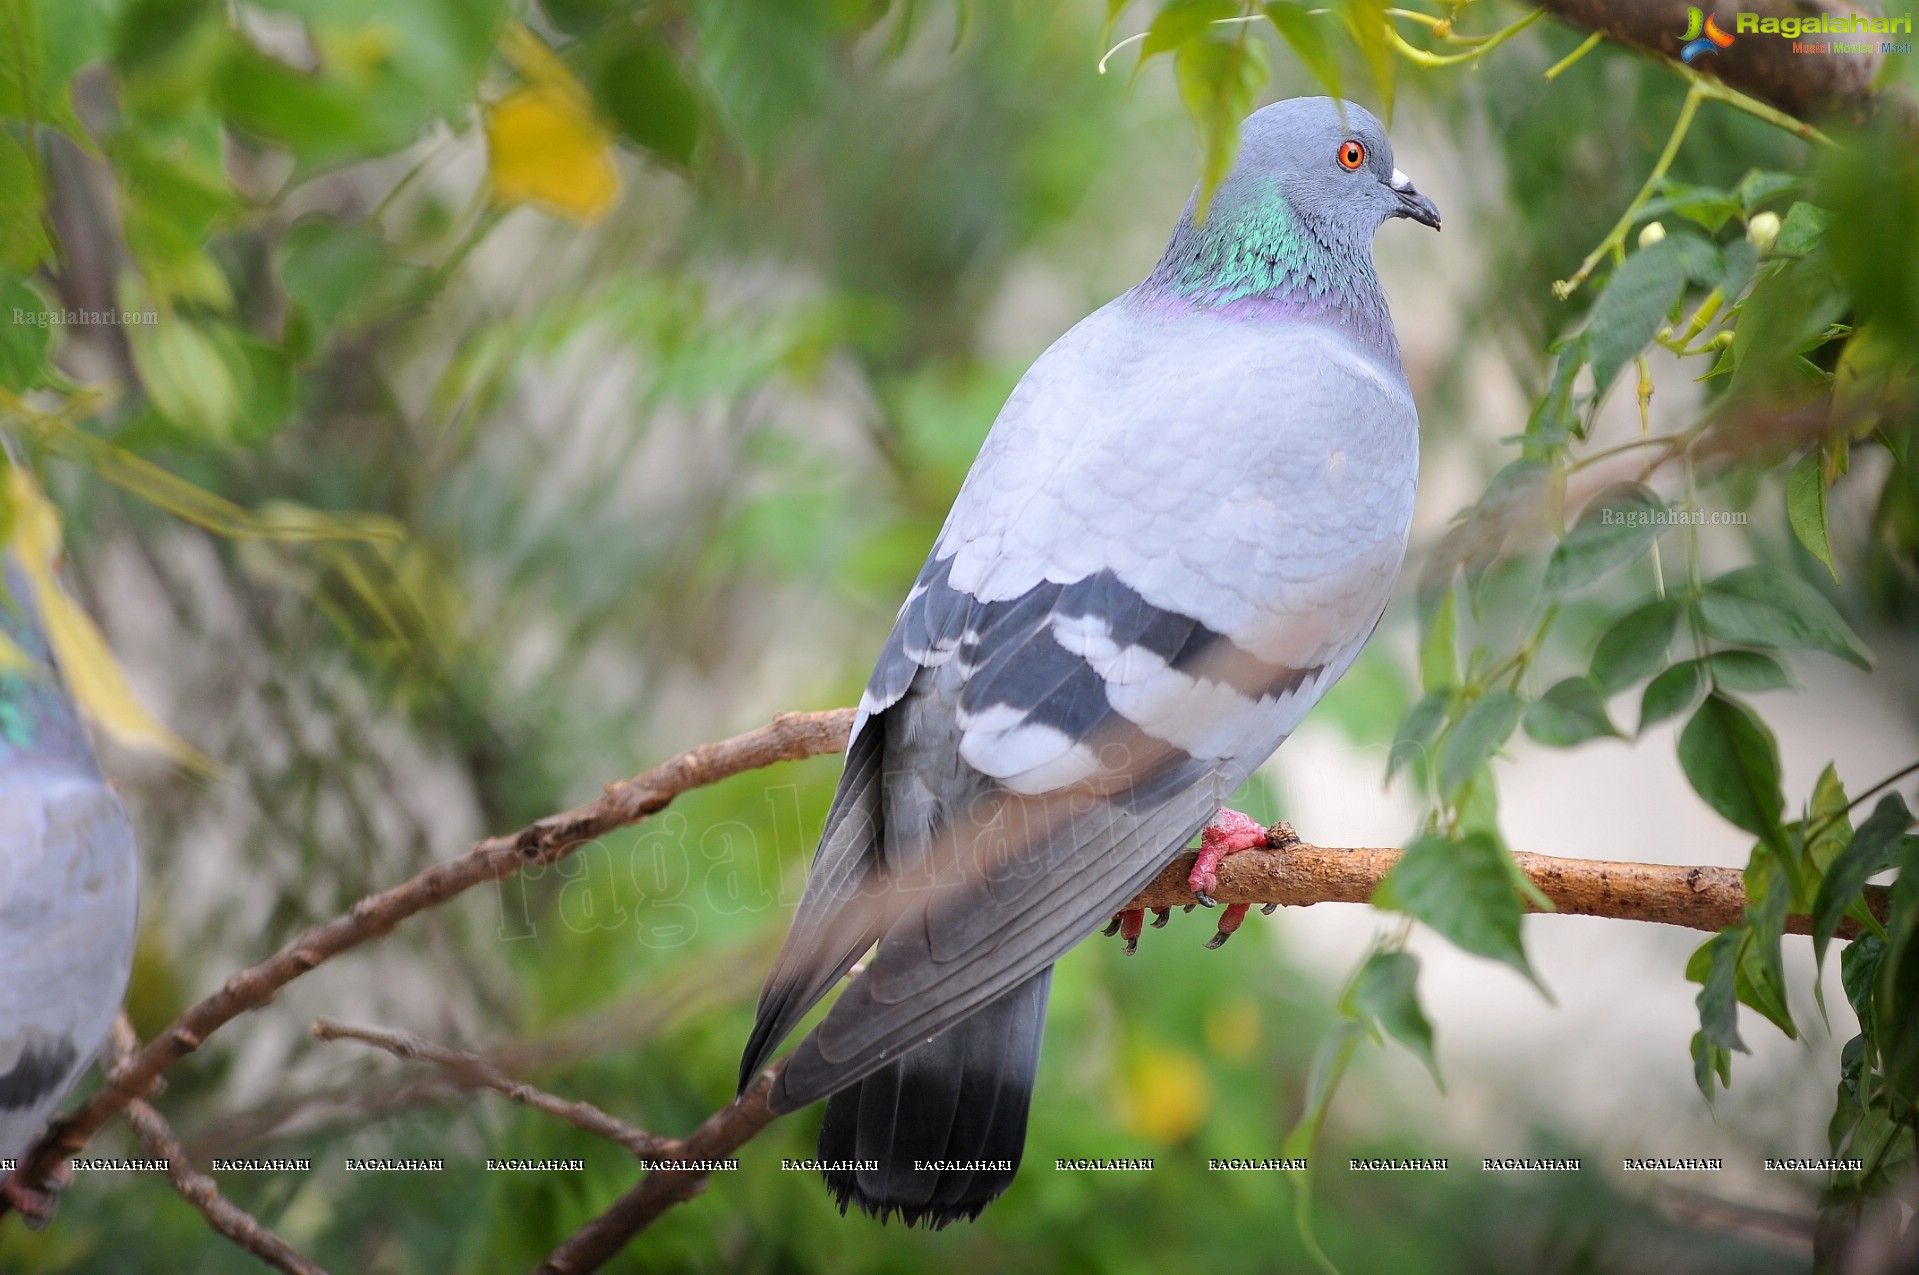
{"points": [[1351, 155]]}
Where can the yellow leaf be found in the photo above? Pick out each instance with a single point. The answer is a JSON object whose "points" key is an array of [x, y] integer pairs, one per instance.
{"points": [[544, 144], [93, 675], [1166, 1095]]}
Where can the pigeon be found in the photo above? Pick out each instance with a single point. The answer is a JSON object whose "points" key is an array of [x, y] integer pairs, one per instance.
{"points": [[67, 893], [1181, 530]]}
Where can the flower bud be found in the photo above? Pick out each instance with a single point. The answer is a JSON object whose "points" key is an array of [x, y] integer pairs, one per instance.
{"points": [[1763, 229], [1651, 233]]}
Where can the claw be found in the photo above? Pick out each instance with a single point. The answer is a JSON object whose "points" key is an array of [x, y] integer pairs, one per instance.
{"points": [[1111, 929], [1131, 922], [1228, 924], [1187, 908], [1206, 900], [1161, 916], [1267, 909]]}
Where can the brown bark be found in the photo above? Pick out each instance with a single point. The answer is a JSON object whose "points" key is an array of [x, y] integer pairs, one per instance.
{"points": [[1762, 65]]}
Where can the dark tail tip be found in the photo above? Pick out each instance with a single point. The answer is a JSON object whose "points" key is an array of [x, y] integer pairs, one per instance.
{"points": [[936, 1135]]}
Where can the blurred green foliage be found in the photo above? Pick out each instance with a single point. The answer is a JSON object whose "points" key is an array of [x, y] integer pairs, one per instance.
{"points": [[542, 382]]}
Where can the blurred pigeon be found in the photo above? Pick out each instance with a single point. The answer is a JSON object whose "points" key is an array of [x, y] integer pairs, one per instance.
{"points": [[67, 892], [1180, 532]]}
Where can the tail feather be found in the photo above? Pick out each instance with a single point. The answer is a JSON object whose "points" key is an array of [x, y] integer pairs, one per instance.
{"points": [[961, 1100]]}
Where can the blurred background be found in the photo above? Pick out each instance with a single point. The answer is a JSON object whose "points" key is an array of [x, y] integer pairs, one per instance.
{"points": [[555, 396]]}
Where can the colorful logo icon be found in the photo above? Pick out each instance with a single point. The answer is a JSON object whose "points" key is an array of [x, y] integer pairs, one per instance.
{"points": [[1711, 42]]}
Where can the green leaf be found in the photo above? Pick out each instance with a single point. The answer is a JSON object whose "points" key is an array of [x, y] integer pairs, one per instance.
{"points": [[1217, 80], [1710, 1061], [1858, 971], [1800, 231], [1181, 22], [270, 391], [1791, 308], [325, 266], [1367, 21], [584, 17], [1303, 33], [1439, 651], [1826, 827], [321, 119], [1463, 889], [1553, 420], [1873, 849], [386, 70], [649, 97], [1806, 508], [1707, 205], [1747, 671], [1414, 740], [1731, 760], [1738, 260], [1572, 712], [26, 333], [188, 372], [1633, 305], [1762, 606], [1758, 186], [1635, 646], [1486, 724], [1386, 993], [1761, 978], [1673, 692], [1715, 966], [1616, 527], [23, 239]]}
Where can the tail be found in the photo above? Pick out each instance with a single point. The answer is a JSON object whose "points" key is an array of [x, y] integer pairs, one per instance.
{"points": [[960, 1099]]}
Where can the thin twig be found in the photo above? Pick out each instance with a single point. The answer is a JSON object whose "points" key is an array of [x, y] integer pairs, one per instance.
{"points": [[195, 1187], [722, 1133], [475, 1072], [790, 737]]}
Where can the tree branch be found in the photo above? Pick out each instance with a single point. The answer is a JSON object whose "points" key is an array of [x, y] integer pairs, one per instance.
{"points": [[721, 1134], [791, 736], [1299, 875], [1761, 65], [198, 1189], [475, 1072]]}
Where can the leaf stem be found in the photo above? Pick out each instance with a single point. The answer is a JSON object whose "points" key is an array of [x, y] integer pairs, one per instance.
{"points": [[1616, 237], [1719, 91], [1423, 57], [1591, 42]]}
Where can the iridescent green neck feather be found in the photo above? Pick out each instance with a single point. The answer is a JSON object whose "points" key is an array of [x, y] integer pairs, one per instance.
{"points": [[1255, 256]]}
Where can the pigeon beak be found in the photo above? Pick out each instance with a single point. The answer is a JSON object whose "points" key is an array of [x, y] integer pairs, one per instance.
{"points": [[1411, 202]]}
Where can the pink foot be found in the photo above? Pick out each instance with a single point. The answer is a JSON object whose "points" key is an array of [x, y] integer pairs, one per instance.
{"points": [[1228, 834]]}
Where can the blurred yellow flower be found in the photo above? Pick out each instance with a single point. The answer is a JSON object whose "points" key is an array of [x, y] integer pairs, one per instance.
{"points": [[544, 144], [1166, 1094]]}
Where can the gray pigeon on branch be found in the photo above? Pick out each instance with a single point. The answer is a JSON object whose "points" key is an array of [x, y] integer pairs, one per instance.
{"points": [[1182, 529], [67, 893]]}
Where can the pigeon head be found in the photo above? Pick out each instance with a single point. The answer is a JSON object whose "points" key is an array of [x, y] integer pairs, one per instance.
{"points": [[1333, 167], [1294, 218]]}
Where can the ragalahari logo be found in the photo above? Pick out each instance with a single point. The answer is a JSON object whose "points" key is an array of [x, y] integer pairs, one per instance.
{"points": [[1711, 41]]}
